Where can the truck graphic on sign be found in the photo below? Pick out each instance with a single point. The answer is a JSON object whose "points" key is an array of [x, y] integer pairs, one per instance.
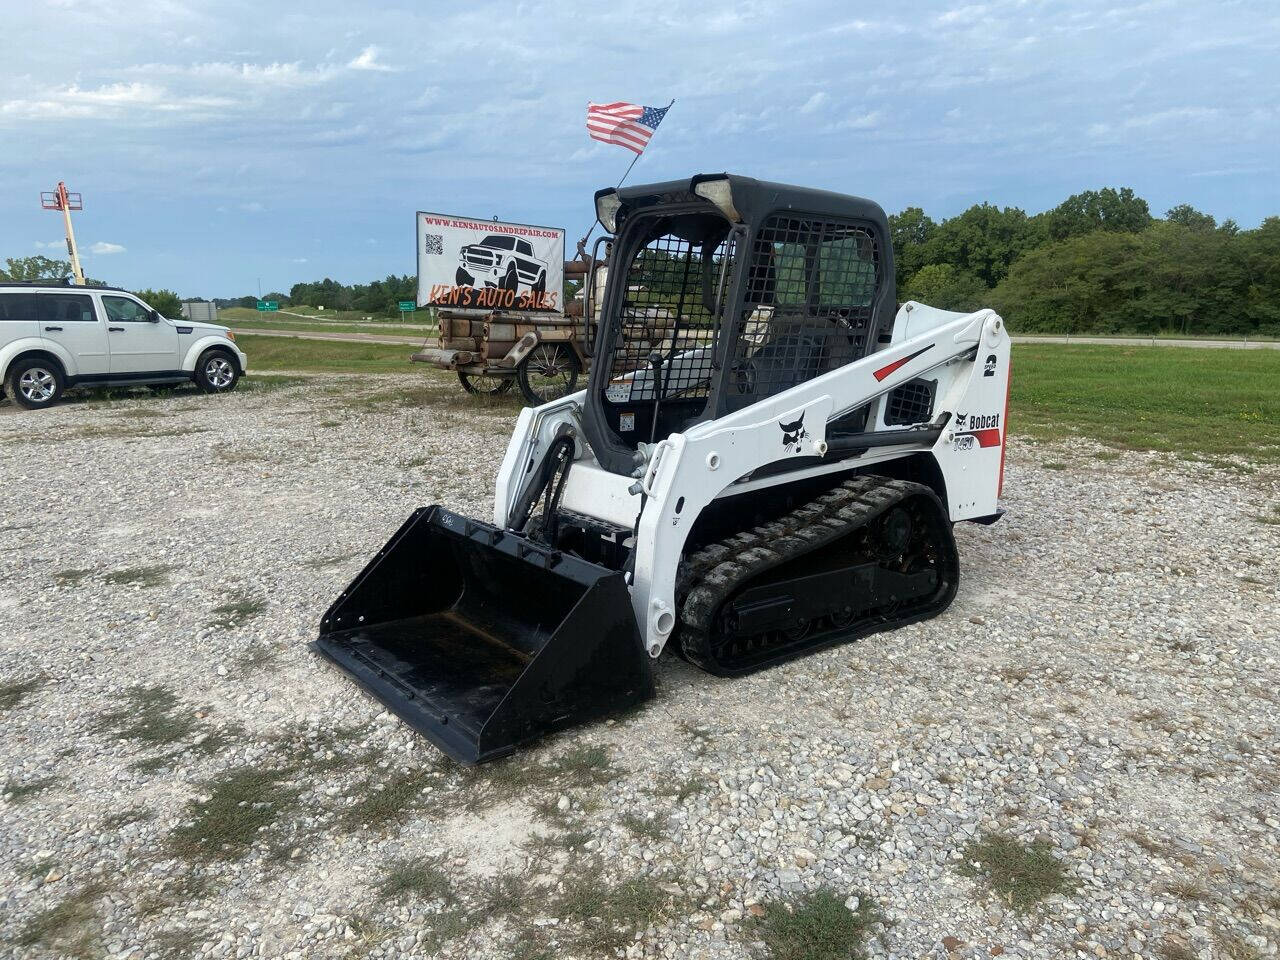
{"points": [[507, 263]]}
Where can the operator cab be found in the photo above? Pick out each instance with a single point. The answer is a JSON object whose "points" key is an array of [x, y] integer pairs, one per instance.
{"points": [[732, 291]]}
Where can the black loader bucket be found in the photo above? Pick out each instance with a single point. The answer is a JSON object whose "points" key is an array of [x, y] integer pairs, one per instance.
{"points": [[482, 640]]}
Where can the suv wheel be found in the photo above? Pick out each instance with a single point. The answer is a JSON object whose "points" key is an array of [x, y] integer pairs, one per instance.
{"points": [[35, 383], [216, 372]]}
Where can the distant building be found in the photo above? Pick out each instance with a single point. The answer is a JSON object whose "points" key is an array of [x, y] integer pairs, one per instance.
{"points": [[200, 311]]}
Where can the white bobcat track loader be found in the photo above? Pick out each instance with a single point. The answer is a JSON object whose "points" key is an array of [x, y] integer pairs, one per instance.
{"points": [[768, 460]]}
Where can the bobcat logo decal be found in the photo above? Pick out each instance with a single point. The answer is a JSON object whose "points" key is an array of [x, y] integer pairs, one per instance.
{"points": [[792, 434], [960, 419]]}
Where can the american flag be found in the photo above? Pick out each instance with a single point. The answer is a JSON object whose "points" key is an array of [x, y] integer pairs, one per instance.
{"points": [[625, 124]]}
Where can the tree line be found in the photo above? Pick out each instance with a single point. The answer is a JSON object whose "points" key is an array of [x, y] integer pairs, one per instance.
{"points": [[1099, 262], [376, 298]]}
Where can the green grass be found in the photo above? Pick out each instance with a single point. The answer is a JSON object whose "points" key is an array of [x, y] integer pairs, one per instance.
{"points": [[1022, 875], [153, 575], [1182, 400], [818, 926], [325, 356], [419, 878], [389, 802], [372, 327], [69, 929], [607, 915], [242, 804], [237, 610], [150, 717], [18, 792], [13, 692]]}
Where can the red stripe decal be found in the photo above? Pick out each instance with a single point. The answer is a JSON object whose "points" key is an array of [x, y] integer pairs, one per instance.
{"points": [[886, 370], [988, 438]]}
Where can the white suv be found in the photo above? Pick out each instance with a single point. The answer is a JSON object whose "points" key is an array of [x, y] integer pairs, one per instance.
{"points": [[54, 336]]}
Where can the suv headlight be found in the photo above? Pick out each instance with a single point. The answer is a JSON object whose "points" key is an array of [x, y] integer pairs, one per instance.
{"points": [[230, 335]]}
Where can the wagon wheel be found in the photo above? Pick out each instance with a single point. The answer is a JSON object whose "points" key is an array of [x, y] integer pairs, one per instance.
{"points": [[483, 385], [549, 372]]}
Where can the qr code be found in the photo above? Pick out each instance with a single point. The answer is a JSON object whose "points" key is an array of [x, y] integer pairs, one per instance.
{"points": [[435, 245]]}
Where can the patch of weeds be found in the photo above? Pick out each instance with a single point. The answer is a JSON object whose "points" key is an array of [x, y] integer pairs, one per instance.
{"points": [[233, 453], [13, 692], [387, 803], [650, 828], [241, 805], [503, 896], [1188, 890], [1272, 518], [116, 821], [257, 656], [586, 765], [608, 915], [150, 718], [238, 610], [325, 751], [700, 736], [175, 893], [320, 563], [213, 743], [70, 577], [180, 943], [140, 413], [1161, 848], [157, 763], [818, 926], [1175, 948], [1234, 946], [545, 846], [69, 927], [1054, 466], [420, 878], [18, 792], [152, 575], [1108, 456], [1020, 875]]}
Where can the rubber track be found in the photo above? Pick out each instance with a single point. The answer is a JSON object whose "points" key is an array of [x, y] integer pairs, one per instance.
{"points": [[709, 577]]}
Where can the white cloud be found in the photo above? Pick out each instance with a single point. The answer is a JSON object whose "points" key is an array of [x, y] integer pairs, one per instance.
{"points": [[862, 121], [109, 101], [814, 102], [102, 248], [51, 245], [253, 206], [367, 59], [299, 260]]}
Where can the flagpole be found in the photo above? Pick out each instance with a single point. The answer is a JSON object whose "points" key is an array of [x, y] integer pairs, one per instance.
{"points": [[582, 244]]}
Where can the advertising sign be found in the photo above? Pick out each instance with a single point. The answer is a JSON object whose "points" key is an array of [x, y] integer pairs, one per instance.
{"points": [[485, 265]]}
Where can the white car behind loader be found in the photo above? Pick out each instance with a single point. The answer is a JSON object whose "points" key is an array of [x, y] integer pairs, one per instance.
{"points": [[767, 461]]}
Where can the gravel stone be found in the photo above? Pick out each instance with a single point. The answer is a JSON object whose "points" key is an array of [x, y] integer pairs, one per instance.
{"points": [[1105, 680]]}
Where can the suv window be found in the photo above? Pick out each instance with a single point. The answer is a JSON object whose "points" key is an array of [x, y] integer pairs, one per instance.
{"points": [[498, 243], [17, 306], [125, 310], [66, 307], [522, 247]]}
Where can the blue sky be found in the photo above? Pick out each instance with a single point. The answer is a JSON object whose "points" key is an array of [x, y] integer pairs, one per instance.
{"points": [[217, 143]]}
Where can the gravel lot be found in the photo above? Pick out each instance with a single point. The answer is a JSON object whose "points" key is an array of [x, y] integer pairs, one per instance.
{"points": [[185, 778]]}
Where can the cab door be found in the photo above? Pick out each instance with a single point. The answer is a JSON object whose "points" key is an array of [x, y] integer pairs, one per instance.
{"points": [[72, 321], [141, 341]]}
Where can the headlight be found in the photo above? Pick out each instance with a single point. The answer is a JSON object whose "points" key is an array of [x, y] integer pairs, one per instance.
{"points": [[607, 206], [719, 192], [230, 336]]}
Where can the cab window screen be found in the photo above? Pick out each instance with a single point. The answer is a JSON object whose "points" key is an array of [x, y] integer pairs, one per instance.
{"points": [[811, 289]]}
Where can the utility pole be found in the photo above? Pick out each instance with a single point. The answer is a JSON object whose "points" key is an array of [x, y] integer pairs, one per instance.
{"points": [[60, 199]]}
